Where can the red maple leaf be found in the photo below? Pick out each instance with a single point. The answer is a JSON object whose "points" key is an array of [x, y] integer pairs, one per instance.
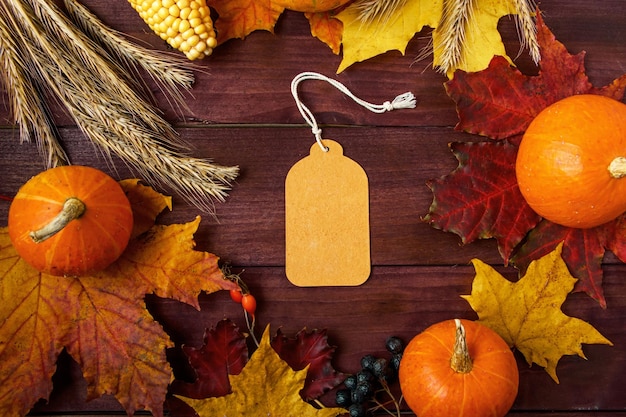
{"points": [[224, 352], [310, 349], [480, 199]]}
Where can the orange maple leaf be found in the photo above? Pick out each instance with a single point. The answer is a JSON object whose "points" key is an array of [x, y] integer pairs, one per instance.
{"points": [[327, 29], [238, 18], [101, 320]]}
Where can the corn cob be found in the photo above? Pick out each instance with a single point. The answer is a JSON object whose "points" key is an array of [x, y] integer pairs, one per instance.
{"points": [[185, 25]]}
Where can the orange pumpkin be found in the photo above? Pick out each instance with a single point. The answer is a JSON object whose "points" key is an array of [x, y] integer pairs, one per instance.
{"points": [[458, 368], [70, 220], [572, 159], [311, 6]]}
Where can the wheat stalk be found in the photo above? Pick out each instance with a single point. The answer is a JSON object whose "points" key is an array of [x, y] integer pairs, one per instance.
{"points": [[97, 93], [527, 29], [377, 10], [456, 15], [170, 73], [28, 105], [453, 26]]}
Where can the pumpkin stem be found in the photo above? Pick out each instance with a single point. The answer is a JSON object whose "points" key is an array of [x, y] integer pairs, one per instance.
{"points": [[460, 361], [617, 167], [72, 209]]}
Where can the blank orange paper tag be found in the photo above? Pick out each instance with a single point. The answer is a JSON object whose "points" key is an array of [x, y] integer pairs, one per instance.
{"points": [[327, 220]]}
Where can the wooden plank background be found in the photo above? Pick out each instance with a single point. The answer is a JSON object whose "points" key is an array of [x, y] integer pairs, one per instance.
{"points": [[241, 113]]}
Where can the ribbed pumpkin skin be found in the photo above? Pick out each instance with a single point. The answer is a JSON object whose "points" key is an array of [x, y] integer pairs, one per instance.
{"points": [[311, 6], [87, 244], [432, 388], [562, 162]]}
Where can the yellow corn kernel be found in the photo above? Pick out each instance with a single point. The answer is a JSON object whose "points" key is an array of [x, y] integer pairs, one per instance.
{"points": [[174, 10], [184, 12], [193, 13], [186, 25]]}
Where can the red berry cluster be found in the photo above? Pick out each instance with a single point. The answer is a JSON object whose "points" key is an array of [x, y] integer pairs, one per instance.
{"points": [[247, 300]]}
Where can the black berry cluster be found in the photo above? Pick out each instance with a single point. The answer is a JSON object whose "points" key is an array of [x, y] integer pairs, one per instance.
{"points": [[376, 373]]}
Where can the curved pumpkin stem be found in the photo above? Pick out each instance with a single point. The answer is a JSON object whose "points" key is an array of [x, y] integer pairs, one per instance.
{"points": [[460, 361], [617, 167], [72, 209]]}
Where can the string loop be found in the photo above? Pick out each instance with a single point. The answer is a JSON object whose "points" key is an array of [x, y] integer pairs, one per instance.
{"points": [[403, 101]]}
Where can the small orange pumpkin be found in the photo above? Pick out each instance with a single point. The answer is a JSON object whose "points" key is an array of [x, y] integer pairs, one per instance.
{"points": [[572, 159], [458, 368], [70, 220], [311, 6]]}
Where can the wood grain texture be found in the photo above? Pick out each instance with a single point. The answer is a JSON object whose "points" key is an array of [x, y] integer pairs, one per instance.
{"points": [[241, 113]]}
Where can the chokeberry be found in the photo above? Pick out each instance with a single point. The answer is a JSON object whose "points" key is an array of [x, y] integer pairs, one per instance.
{"points": [[357, 410], [380, 368], [394, 345], [350, 381], [343, 397], [357, 397], [395, 361], [364, 375], [367, 362]]}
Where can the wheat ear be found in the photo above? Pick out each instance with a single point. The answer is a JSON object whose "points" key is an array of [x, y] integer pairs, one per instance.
{"points": [[377, 10], [455, 18], [527, 29], [70, 66], [171, 74], [27, 102]]}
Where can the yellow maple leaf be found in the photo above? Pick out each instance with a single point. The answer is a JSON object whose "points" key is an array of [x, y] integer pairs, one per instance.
{"points": [[363, 41], [527, 314], [480, 39], [267, 386], [101, 320]]}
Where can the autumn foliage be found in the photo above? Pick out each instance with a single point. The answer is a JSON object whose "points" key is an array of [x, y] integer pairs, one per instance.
{"points": [[527, 314], [101, 320], [480, 199], [228, 381]]}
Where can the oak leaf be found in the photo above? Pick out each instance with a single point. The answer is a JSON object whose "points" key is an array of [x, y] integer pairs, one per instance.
{"points": [[527, 313], [101, 320], [266, 386], [481, 40], [499, 103]]}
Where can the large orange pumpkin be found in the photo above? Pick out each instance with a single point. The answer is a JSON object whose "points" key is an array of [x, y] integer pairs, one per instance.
{"points": [[70, 220], [458, 368], [572, 159], [311, 6]]}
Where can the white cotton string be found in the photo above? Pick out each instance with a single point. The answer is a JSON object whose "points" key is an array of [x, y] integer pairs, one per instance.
{"points": [[403, 101]]}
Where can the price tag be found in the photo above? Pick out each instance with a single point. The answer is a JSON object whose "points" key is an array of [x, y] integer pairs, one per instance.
{"points": [[327, 220]]}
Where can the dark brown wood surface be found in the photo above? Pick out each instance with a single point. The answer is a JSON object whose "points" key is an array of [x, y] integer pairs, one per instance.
{"points": [[241, 113]]}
